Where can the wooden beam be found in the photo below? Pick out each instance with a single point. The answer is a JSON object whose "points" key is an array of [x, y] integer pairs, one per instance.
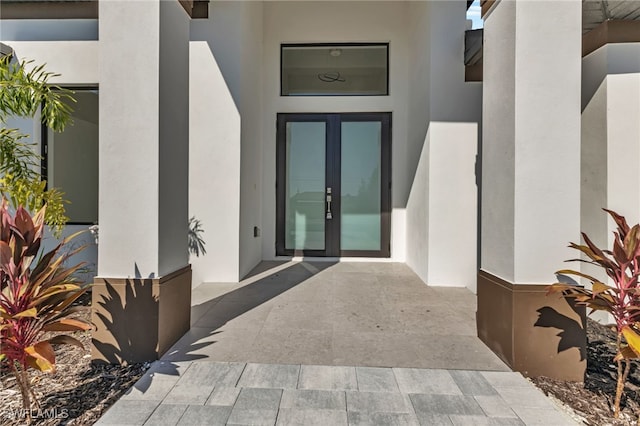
{"points": [[196, 9], [485, 5], [610, 32]]}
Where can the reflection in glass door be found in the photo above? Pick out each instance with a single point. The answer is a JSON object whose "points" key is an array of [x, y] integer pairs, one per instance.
{"points": [[305, 186], [333, 184]]}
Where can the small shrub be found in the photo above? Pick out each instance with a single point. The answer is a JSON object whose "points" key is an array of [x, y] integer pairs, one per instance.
{"points": [[621, 300], [37, 291]]}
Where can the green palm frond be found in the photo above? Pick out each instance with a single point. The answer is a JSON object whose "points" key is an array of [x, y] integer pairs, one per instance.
{"points": [[25, 91]]}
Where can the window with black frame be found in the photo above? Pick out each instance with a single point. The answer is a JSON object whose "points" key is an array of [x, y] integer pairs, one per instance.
{"points": [[70, 159], [346, 69]]}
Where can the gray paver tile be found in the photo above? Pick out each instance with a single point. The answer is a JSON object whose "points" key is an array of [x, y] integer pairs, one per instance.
{"points": [[382, 419], [327, 378], [458, 420], [313, 399], [372, 379], [431, 419], [205, 415], [494, 406], [223, 396], [536, 416], [270, 376], [472, 383], [258, 399], [417, 380], [166, 415], [505, 379], [253, 417], [213, 373], [129, 413], [150, 388], [445, 404], [378, 402], [524, 397], [296, 417], [189, 394]]}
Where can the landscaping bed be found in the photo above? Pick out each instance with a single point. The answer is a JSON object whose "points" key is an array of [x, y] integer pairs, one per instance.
{"points": [[78, 393], [593, 399]]}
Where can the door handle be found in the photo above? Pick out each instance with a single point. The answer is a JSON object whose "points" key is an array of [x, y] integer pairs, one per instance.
{"points": [[329, 215]]}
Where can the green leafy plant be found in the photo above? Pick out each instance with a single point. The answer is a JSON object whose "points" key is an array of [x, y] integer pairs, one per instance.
{"points": [[37, 291], [621, 300], [24, 93]]}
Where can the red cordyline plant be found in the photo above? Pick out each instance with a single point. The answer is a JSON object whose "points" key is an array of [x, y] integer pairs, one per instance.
{"points": [[36, 294], [621, 300]]}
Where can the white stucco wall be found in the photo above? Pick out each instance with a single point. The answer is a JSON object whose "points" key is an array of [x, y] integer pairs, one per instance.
{"points": [[610, 139], [531, 138], [173, 202], [417, 209], [128, 240], [610, 154], [417, 215], [623, 140], [75, 61], [143, 138], [251, 155], [548, 127], [452, 205], [226, 139], [318, 22], [498, 149], [593, 169], [444, 115], [214, 167]]}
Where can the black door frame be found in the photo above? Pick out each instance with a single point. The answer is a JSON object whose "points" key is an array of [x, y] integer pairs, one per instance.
{"points": [[333, 179]]}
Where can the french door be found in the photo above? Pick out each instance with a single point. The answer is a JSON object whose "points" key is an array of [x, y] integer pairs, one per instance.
{"points": [[333, 184]]}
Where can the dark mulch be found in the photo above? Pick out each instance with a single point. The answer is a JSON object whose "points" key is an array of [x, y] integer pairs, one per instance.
{"points": [[593, 399], [78, 393]]}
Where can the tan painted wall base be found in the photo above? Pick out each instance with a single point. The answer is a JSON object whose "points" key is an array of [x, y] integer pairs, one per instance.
{"points": [[138, 320], [535, 334]]}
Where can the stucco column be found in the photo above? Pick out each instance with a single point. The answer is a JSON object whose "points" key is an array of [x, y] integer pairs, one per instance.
{"points": [[531, 184], [610, 135], [141, 296]]}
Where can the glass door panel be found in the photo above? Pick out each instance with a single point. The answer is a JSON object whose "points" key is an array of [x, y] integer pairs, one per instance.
{"points": [[305, 185], [360, 206]]}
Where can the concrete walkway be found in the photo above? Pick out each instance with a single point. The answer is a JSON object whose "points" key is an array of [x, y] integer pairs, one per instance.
{"points": [[319, 343], [351, 313]]}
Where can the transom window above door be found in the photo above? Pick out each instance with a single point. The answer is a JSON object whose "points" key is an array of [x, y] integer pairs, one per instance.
{"points": [[347, 69]]}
